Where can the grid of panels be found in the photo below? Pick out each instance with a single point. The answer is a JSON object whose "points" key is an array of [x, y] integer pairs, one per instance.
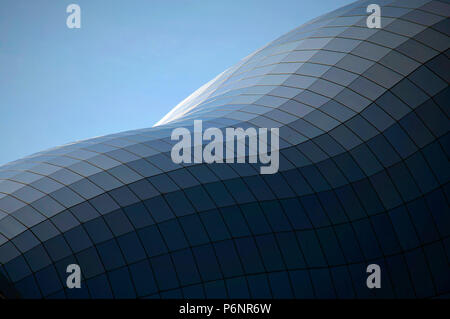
{"points": [[363, 119]]}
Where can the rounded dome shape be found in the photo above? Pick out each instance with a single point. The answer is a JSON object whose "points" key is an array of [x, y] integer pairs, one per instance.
{"points": [[363, 179]]}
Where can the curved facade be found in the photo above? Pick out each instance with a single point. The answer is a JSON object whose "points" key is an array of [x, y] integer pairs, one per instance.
{"points": [[363, 179]]}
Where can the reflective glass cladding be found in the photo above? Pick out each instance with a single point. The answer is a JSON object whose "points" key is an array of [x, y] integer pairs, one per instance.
{"points": [[363, 179]]}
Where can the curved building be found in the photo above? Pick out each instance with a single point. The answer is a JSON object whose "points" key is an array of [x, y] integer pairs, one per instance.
{"points": [[363, 119]]}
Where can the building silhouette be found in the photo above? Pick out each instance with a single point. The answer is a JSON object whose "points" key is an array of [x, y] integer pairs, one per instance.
{"points": [[363, 179]]}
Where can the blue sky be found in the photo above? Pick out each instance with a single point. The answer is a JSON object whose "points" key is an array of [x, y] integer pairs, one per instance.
{"points": [[130, 63]]}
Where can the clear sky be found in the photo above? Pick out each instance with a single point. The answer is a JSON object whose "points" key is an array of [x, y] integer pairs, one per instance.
{"points": [[130, 63]]}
